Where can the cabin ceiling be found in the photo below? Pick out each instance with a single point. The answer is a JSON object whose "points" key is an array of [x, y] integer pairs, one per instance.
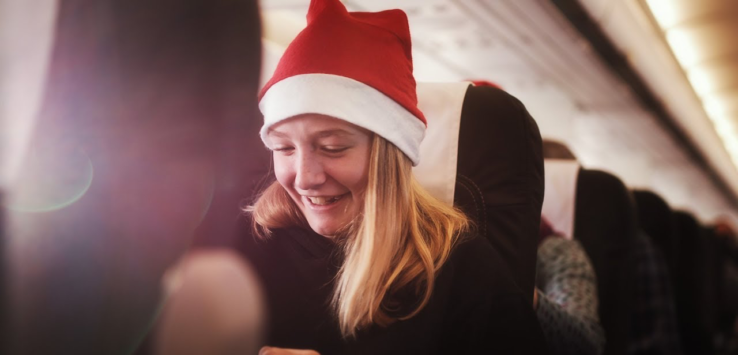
{"points": [[703, 38], [686, 52]]}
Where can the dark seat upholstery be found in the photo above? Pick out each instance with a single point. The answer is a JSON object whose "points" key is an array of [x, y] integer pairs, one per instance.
{"points": [[655, 327], [604, 221], [605, 224], [691, 285], [714, 264], [728, 289], [500, 177], [656, 218]]}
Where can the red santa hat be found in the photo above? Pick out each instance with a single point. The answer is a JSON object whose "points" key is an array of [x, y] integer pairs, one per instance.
{"points": [[355, 66]]}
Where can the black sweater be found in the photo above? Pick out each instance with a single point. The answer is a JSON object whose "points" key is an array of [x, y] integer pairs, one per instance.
{"points": [[475, 307]]}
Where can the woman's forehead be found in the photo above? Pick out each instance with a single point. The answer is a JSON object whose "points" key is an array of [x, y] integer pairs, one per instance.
{"points": [[316, 125]]}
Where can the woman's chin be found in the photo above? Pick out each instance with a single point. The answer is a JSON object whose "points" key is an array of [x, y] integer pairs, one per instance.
{"points": [[328, 233], [327, 230]]}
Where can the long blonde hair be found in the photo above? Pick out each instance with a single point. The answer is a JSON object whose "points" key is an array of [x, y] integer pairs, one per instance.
{"points": [[398, 243]]}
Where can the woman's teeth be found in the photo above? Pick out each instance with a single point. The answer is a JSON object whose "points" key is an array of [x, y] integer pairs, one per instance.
{"points": [[322, 201]]}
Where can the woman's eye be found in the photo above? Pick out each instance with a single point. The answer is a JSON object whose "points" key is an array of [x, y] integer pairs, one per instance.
{"points": [[333, 149], [283, 149]]}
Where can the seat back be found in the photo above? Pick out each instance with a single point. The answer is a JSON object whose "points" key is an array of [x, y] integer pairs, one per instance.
{"points": [[595, 208], [714, 265], [690, 286], [500, 177], [605, 224], [728, 296], [482, 152], [656, 218]]}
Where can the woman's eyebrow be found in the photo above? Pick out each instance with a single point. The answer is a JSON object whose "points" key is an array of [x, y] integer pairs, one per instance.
{"points": [[276, 133], [333, 132]]}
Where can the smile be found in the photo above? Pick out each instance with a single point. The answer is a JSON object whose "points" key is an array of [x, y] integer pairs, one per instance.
{"points": [[324, 200]]}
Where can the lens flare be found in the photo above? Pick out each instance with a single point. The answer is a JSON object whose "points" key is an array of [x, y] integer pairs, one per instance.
{"points": [[52, 181]]}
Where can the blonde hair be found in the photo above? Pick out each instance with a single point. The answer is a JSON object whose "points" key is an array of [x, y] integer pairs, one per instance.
{"points": [[397, 244]]}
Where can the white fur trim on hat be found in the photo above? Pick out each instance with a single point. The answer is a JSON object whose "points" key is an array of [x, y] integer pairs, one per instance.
{"points": [[346, 99]]}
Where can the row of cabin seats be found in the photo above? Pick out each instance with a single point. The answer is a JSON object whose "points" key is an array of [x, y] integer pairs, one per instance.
{"points": [[697, 259], [661, 275], [499, 182]]}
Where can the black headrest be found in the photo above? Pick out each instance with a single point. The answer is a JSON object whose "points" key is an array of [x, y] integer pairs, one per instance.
{"points": [[605, 224], [159, 96], [500, 176], [656, 218]]}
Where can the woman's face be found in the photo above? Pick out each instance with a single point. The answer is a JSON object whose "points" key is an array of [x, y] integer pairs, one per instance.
{"points": [[323, 164]]}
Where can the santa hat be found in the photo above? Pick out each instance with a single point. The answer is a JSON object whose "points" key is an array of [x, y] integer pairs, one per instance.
{"points": [[355, 66]]}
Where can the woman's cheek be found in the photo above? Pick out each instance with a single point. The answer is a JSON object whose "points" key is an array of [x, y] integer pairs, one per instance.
{"points": [[282, 169]]}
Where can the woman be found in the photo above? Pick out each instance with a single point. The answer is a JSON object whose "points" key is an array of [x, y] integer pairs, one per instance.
{"points": [[355, 256]]}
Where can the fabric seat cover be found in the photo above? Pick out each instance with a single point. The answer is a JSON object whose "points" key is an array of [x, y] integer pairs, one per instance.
{"points": [[500, 177]]}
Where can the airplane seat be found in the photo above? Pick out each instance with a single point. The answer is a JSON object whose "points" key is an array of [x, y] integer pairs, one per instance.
{"points": [[727, 245], [713, 259], [656, 218], [596, 208], [500, 157], [655, 327], [495, 151], [714, 267], [605, 224], [690, 287]]}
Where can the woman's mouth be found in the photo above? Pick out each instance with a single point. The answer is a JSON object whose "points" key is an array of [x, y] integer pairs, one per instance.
{"points": [[324, 200]]}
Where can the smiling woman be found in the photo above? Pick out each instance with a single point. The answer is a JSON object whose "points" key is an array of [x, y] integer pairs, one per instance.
{"points": [[322, 164], [355, 255], [354, 187]]}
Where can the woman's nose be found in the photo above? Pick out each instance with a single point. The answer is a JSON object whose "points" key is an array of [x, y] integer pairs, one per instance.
{"points": [[310, 173]]}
